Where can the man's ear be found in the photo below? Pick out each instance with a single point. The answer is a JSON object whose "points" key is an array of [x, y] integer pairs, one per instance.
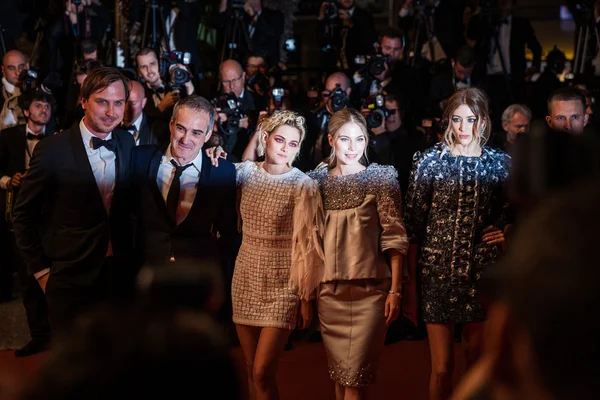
{"points": [[549, 120], [504, 126], [586, 119], [144, 102], [84, 102], [26, 113]]}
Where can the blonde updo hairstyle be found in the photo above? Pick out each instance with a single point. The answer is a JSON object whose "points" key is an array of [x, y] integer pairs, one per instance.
{"points": [[339, 119], [477, 102], [270, 125]]}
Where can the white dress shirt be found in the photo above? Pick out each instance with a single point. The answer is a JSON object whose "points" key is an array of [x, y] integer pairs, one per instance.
{"points": [[188, 182], [103, 163], [8, 89], [495, 65], [31, 143]]}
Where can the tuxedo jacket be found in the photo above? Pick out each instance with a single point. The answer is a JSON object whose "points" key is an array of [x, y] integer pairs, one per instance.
{"points": [[60, 195], [521, 36], [13, 146], [148, 135], [209, 231]]}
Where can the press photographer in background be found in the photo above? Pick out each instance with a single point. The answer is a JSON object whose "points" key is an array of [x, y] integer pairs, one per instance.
{"points": [[236, 110], [165, 80], [335, 97], [390, 142], [16, 148], [383, 71], [345, 31]]}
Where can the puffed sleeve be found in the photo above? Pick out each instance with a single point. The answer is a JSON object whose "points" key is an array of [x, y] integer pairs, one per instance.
{"points": [[308, 260], [418, 197], [389, 208]]}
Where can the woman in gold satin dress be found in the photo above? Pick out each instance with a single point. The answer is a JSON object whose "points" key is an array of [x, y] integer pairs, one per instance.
{"points": [[364, 241]]}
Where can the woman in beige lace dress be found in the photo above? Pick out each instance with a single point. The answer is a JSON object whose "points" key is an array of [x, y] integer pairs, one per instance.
{"points": [[281, 213]]}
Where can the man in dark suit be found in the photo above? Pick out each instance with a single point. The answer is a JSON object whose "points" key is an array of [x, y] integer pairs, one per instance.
{"points": [[233, 80], [16, 147], [458, 75], [185, 207], [500, 41], [135, 121], [346, 33], [71, 219]]}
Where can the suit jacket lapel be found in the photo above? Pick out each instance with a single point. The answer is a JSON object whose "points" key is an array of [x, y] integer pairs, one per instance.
{"points": [[83, 163], [153, 168], [22, 146], [144, 131]]}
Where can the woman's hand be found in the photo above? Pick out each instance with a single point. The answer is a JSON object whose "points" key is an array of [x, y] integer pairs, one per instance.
{"points": [[305, 315], [493, 235], [214, 153], [392, 308]]}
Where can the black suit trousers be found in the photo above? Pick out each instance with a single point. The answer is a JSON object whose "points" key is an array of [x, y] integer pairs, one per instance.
{"points": [[67, 302]]}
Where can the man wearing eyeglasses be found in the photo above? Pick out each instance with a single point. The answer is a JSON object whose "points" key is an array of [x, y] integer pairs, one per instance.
{"points": [[233, 80]]}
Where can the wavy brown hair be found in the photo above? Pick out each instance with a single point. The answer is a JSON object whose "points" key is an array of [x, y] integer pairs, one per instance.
{"points": [[477, 101]]}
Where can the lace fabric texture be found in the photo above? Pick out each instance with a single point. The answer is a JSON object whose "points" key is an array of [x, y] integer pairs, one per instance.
{"points": [[261, 290]]}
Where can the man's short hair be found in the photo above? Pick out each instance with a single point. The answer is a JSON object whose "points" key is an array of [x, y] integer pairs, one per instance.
{"points": [[392, 33], [511, 110], [566, 94], [198, 104], [465, 56], [260, 54], [100, 78], [144, 52], [88, 47], [37, 95]]}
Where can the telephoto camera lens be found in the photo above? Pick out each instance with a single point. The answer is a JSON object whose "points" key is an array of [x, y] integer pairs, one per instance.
{"points": [[375, 118], [179, 76]]}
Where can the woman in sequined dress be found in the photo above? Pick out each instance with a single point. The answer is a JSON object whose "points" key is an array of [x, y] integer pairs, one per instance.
{"points": [[455, 215], [280, 261], [364, 241]]}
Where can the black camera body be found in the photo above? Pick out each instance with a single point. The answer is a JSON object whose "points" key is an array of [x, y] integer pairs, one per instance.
{"points": [[232, 107], [175, 76], [338, 99], [259, 79], [331, 10], [378, 111], [374, 65]]}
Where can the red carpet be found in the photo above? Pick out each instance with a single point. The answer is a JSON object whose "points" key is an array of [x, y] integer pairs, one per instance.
{"points": [[403, 374]]}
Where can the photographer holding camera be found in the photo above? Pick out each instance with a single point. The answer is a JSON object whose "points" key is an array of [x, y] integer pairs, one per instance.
{"points": [[390, 142], [335, 97], [236, 109], [163, 92], [345, 31]]}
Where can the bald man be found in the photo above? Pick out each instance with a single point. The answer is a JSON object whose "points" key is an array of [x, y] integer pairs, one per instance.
{"points": [[233, 80], [135, 121], [316, 146], [13, 63]]}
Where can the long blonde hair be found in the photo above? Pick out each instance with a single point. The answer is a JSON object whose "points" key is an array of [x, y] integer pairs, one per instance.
{"points": [[279, 118], [339, 119], [477, 102]]}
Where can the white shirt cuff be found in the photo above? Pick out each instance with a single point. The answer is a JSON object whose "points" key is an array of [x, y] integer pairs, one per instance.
{"points": [[4, 182], [41, 273]]}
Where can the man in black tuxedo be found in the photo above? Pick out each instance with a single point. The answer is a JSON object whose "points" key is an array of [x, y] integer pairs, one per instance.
{"points": [[71, 219], [458, 75], [135, 120], [185, 207], [501, 39], [16, 147]]}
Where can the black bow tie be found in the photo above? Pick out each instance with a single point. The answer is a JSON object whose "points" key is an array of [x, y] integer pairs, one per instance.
{"points": [[33, 136], [159, 89], [110, 144], [129, 127]]}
